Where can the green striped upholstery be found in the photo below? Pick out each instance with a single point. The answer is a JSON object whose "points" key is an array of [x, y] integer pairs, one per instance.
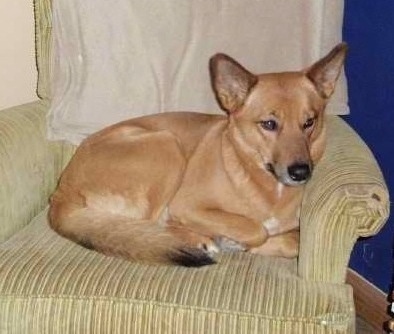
{"points": [[29, 165], [51, 285], [346, 198]]}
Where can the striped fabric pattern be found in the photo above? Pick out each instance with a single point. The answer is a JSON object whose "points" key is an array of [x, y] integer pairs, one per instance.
{"points": [[51, 285], [346, 198], [29, 165]]}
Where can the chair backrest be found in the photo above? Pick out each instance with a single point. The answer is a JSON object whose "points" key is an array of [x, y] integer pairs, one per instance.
{"points": [[323, 19], [43, 31]]}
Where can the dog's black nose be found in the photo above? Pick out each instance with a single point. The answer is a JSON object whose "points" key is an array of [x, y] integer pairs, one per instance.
{"points": [[299, 172]]}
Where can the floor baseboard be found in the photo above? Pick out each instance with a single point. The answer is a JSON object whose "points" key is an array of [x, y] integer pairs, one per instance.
{"points": [[371, 303]]}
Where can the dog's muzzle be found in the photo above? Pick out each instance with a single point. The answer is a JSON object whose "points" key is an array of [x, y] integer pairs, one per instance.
{"points": [[294, 175]]}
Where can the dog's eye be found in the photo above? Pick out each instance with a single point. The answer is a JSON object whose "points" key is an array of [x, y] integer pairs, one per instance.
{"points": [[270, 125], [309, 123]]}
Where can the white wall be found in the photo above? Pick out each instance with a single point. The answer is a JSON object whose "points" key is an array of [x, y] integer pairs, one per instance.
{"points": [[18, 73]]}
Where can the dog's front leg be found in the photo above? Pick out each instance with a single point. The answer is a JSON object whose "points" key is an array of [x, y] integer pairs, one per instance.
{"points": [[276, 226], [283, 237], [283, 245], [228, 229]]}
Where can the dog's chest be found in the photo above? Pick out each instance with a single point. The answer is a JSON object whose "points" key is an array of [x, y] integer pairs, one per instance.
{"points": [[210, 181]]}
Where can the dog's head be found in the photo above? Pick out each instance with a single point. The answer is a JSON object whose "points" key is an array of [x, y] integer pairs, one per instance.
{"points": [[279, 116]]}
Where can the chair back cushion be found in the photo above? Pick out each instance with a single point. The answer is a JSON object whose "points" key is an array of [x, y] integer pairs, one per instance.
{"points": [[103, 62]]}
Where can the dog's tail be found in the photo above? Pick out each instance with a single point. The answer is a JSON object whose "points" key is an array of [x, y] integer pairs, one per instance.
{"points": [[134, 240]]}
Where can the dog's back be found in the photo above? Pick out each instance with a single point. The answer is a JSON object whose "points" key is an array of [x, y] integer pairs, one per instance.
{"points": [[115, 189]]}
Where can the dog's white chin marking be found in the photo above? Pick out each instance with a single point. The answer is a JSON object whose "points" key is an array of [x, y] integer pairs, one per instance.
{"points": [[288, 181]]}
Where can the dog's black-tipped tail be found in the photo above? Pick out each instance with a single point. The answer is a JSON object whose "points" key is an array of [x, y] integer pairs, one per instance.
{"points": [[191, 257], [142, 241]]}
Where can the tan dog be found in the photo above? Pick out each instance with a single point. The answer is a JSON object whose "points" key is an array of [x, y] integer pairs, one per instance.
{"points": [[175, 187]]}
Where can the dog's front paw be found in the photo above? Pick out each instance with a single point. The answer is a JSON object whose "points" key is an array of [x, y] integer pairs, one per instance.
{"points": [[210, 248], [228, 245]]}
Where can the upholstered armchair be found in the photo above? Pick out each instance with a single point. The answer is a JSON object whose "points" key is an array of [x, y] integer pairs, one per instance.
{"points": [[51, 285]]}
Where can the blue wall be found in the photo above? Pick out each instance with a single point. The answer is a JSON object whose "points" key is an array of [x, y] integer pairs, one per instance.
{"points": [[369, 31]]}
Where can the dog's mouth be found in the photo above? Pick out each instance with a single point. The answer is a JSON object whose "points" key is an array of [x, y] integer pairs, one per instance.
{"points": [[296, 174], [270, 167]]}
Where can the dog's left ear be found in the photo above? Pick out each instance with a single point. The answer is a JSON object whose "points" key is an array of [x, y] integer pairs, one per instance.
{"points": [[324, 73], [231, 82]]}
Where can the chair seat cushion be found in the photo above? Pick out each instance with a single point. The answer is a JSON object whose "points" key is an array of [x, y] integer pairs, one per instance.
{"points": [[51, 285]]}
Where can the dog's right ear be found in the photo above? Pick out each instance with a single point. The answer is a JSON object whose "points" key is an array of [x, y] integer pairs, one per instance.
{"points": [[231, 82]]}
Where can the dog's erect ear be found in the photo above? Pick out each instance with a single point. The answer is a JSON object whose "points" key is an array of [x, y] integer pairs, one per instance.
{"points": [[231, 82], [325, 72]]}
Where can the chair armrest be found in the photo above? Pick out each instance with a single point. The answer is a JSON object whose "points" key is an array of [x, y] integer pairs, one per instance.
{"points": [[29, 165], [347, 198]]}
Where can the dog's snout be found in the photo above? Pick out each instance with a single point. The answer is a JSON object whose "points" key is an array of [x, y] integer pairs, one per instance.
{"points": [[299, 172]]}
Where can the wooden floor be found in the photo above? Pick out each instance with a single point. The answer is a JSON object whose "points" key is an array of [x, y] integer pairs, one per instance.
{"points": [[363, 327]]}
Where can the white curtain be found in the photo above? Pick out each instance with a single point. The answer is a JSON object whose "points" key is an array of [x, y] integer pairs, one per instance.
{"points": [[114, 60]]}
